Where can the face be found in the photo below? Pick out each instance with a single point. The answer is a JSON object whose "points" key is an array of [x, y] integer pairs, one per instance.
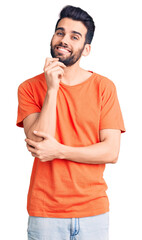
{"points": [[68, 42]]}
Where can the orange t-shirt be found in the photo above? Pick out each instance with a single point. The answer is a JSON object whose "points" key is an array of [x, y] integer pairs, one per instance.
{"points": [[62, 188]]}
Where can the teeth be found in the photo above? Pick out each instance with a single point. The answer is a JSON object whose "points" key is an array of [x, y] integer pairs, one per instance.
{"points": [[62, 49]]}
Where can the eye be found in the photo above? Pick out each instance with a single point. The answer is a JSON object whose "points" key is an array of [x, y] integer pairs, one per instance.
{"points": [[59, 33], [74, 38]]}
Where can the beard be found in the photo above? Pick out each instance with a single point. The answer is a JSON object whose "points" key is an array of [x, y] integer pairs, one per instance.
{"points": [[67, 60]]}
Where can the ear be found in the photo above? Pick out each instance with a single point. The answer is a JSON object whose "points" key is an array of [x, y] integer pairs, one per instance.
{"points": [[87, 49]]}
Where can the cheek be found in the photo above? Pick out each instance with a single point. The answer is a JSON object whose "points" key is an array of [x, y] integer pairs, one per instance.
{"points": [[55, 40], [52, 41]]}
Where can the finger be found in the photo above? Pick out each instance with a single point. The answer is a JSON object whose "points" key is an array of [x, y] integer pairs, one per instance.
{"points": [[41, 134], [47, 60], [31, 143], [34, 155], [50, 60], [57, 70], [57, 63], [53, 65], [32, 150]]}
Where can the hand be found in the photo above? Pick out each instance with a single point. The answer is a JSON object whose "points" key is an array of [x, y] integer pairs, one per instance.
{"points": [[46, 150], [54, 71]]}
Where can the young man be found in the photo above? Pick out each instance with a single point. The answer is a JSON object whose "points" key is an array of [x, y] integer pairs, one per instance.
{"points": [[73, 122]]}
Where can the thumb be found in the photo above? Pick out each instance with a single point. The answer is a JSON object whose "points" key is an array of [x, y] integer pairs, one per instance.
{"points": [[41, 134]]}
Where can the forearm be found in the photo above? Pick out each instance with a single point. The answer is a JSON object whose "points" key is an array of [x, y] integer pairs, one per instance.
{"points": [[106, 151], [46, 120], [100, 153]]}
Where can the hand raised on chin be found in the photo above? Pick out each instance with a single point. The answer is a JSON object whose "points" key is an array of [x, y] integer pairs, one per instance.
{"points": [[54, 71]]}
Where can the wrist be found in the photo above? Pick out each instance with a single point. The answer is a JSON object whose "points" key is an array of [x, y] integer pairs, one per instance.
{"points": [[62, 150], [51, 91]]}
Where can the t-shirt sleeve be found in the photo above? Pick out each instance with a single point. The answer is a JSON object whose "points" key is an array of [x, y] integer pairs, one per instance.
{"points": [[111, 116], [26, 103]]}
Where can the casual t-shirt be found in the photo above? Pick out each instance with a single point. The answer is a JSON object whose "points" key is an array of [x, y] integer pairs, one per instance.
{"points": [[63, 188]]}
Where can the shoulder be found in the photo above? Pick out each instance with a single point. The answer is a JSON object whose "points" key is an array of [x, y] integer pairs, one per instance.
{"points": [[102, 80], [104, 83], [33, 82]]}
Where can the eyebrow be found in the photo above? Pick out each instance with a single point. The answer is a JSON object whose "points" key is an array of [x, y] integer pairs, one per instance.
{"points": [[77, 33], [62, 29]]}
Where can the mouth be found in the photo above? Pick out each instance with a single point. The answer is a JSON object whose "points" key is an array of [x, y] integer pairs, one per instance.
{"points": [[63, 50]]}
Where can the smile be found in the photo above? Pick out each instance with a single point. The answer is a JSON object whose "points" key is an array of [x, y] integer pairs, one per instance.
{"points": [[63, 50]]}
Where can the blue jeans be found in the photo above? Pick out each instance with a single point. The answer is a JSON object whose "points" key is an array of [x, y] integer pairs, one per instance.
{"points": [[88, 228]]}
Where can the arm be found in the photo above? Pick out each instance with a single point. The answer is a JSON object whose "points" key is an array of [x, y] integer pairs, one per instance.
{"points": [[106, 151], [46, 120]]}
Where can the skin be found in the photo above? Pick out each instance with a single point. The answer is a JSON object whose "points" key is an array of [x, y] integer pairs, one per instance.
{"points": [[63, 51], [40, 127]]}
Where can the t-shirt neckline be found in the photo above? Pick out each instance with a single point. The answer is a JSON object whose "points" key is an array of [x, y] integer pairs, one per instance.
{"points": [[82, 83]]}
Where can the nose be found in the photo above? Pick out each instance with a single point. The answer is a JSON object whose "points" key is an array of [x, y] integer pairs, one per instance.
{"points": [[65, 39]]}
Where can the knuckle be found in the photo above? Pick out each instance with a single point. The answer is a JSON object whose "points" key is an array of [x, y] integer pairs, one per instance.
{"points": [[46, 61], [42, 159], [38, 152], [46, 70], [38, 145]]}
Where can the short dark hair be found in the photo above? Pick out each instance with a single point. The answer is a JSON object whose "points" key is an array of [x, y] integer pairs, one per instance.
{"points": [[76, 13]]}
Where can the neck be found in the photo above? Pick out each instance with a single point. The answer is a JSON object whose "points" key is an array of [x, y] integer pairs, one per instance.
{"points": [[71, 74]]}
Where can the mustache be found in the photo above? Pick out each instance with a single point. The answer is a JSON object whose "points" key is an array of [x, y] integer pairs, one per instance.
{"points": [[63, 45]]}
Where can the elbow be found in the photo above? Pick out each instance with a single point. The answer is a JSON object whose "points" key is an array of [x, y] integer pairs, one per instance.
{"points": [[113, 157], [114, 160], [32, 136], [113, 153]]}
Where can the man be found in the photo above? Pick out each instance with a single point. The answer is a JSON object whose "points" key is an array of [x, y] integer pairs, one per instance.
{"points": [[73, 122]]}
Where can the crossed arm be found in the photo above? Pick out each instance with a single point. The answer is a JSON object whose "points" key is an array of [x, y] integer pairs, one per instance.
{"points": [[106, 151], [42, 144]]}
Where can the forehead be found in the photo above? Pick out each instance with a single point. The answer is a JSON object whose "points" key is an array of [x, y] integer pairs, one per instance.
{"points": [[70, 25]]}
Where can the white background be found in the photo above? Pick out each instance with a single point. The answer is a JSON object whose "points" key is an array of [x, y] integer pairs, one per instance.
{"points": [[26, 29]]}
